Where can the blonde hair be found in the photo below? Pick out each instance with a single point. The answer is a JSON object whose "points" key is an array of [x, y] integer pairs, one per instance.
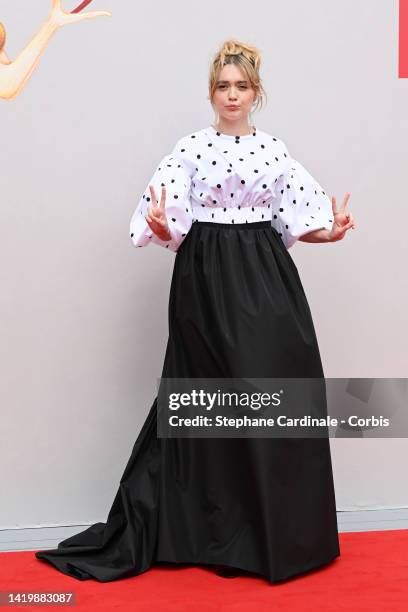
{"points": [[2, 36], [246, 57]]}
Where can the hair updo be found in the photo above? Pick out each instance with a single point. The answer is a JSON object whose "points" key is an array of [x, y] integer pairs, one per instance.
{"points": [[2, 36], [247, 58]]}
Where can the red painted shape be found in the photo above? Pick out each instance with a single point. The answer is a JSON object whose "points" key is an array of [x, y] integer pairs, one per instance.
{"points": [[81, 6], [403, 40]]}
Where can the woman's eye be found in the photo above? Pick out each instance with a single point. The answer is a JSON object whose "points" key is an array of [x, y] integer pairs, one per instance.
{"points": [[240, 86]]}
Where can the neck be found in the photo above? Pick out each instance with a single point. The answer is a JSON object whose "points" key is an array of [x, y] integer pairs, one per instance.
{"points": [[234, 128]]}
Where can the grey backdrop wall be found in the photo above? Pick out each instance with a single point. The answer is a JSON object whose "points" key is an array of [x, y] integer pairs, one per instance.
{"points": [[84, 314]]}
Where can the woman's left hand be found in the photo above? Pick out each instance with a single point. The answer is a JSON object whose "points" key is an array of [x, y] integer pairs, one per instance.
{"points": [[59, 17], [342, 220]]}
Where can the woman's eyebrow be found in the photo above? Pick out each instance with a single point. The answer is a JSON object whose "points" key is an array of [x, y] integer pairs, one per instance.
{"points": [[219, 82]]}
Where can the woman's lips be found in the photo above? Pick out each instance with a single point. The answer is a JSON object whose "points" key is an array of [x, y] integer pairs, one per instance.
{"points": [[232, 107]]}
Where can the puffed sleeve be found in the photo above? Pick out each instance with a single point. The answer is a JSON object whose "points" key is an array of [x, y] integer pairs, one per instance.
{"points": [[300, 205], [175, 175]]}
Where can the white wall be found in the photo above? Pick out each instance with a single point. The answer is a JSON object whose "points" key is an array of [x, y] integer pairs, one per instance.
{"points": [[84, 314]]}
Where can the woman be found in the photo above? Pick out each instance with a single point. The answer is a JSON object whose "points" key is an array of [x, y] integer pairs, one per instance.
{"points": [[15, 74], [232, 202]]}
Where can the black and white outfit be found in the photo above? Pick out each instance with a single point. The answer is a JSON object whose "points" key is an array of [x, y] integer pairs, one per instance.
{"points": [[237, 308]]}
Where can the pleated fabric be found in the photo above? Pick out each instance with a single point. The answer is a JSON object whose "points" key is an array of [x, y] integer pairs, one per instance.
{"points": [[237, 308]]}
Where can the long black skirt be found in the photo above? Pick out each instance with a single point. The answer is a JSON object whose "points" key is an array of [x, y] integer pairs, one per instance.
{"points": [[237, 308]]}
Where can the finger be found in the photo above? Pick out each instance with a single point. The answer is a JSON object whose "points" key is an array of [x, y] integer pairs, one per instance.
{"points": [[56, 4], [351, 220], [346, 199], [153, 195], [334, 208], [154, 212], [154, 226], [163, 198], [155, 215], [160, 221], [152, 223]]}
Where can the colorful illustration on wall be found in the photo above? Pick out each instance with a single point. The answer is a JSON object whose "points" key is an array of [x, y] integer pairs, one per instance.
{"points": [[403, 40], [14, 74]]}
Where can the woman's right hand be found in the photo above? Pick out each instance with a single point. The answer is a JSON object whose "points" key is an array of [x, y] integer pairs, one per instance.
{"points": [[156, 217]]}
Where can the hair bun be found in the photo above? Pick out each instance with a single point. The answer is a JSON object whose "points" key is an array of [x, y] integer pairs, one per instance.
{"points": [[236, 47]]}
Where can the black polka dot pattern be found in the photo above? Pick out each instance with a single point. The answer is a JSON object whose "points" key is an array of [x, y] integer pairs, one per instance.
{"points": [[212, 176]]}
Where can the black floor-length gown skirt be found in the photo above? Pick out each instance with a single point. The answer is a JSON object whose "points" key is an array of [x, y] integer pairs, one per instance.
{"points": [[237, 308]]}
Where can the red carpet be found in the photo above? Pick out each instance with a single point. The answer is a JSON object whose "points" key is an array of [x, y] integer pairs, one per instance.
{"points": [[370, 575]]}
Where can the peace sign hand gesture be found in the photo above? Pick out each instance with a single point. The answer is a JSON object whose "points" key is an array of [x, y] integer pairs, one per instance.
{"points": [[156, 217], [342, 220]]}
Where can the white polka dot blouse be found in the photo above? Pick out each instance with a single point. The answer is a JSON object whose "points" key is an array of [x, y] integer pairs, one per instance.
{"points": [[211, 176]]}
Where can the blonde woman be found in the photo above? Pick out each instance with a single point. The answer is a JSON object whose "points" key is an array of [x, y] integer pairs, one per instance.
{"points": [[230, 201], [14, 74]]}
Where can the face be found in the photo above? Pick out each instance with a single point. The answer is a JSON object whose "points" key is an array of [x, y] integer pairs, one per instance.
{"points": [[233, 88]]}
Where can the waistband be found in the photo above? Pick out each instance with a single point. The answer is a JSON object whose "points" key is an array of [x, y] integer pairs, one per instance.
{"points": [[249, 225]]}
